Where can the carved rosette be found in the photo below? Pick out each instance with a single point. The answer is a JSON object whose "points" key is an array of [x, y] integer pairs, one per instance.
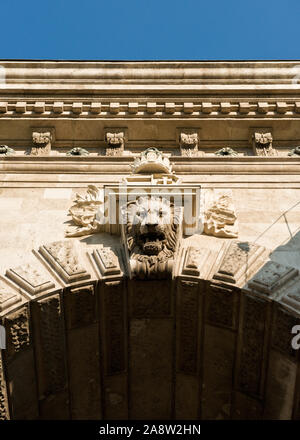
{"points": [[226, 151]]}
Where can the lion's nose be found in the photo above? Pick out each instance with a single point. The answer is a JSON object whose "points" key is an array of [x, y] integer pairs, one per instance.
{"points": [[151, 225]]}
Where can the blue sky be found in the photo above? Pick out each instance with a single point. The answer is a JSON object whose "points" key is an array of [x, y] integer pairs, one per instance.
{"points": [[150, 29]]}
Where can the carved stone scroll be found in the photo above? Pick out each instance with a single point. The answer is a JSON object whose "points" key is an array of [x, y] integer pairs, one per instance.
{"points": [[64, 258], [220, 219], [87, 213]]}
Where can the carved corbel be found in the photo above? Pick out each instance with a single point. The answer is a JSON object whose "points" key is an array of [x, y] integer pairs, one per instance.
{"points": [[115, 140], [262, 142], [42, 139], [188, 142]]}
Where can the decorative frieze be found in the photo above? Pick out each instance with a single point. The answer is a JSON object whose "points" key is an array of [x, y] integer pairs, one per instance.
{"points": [[64, 257]]}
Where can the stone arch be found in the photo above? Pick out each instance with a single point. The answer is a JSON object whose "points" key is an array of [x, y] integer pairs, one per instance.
{"points": [[85, 341]]}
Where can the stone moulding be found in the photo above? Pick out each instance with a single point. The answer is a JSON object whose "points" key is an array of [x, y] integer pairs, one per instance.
{"points": [[136, 109]]}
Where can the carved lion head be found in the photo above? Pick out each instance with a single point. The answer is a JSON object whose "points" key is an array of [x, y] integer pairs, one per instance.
{"points": [[151, 228]]}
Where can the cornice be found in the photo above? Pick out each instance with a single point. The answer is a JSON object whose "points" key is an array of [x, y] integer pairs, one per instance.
{"points": [[120, 165], [154, 77]]}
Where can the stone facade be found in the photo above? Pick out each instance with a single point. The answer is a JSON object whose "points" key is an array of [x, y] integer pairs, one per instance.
{"points": [[110, 310]]}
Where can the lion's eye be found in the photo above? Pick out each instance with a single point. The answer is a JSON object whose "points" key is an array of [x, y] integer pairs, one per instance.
{"points": [[140, 213]]}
